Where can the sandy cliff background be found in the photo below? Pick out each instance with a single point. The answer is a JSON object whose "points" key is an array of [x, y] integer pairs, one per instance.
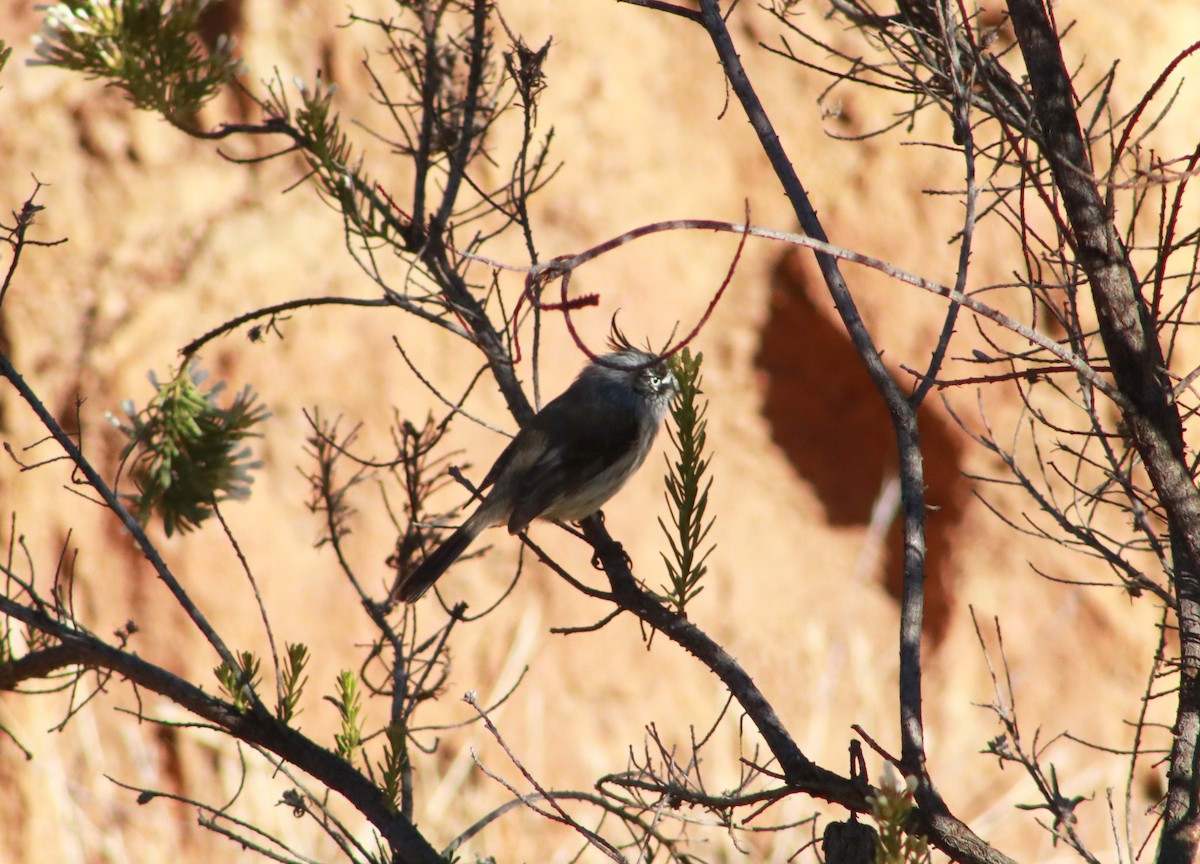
{"points": [[166, 239]]}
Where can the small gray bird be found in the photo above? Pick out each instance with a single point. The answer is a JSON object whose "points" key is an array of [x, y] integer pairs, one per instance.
{"points": [[571, 457]]}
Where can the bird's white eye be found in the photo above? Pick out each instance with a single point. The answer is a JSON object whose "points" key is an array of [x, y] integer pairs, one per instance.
{"points": [[655, 380]]}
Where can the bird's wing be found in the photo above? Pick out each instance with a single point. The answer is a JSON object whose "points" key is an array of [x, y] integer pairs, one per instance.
{"points": [[583, 440]]}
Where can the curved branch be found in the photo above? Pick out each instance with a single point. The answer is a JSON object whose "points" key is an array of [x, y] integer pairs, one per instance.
{"points": [[567, 263], [798, 769], [269, 312], [255, 726]]}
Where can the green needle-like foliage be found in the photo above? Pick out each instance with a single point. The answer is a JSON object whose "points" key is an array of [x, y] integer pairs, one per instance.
{"points": [[292, 680], [687, 488], [239, 681], [890, 808], [328, 149], [395, 758], [349, 705], [189, 450], [148, 48]]}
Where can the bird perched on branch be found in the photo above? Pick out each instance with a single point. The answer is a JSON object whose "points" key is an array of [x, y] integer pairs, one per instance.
{"points": [[574, 455]]}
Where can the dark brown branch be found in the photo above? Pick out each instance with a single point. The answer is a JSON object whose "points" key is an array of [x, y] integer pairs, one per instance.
{"points": [[669, 8], [271, 311], [255, 726], [466, 131], [1153, 422], [903, 415], [800, 772], [691, 796], [959, 87], [948, 833], [18, 240]]}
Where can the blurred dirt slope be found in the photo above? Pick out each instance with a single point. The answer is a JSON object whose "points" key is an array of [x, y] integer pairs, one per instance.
{"points": [[168, 240]]}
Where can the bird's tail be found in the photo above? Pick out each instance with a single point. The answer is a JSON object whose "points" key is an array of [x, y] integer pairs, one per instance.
{"points": [[409, 589]]}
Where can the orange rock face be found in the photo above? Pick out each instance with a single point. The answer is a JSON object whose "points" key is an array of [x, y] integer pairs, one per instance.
{"points": [[167, 240]]}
